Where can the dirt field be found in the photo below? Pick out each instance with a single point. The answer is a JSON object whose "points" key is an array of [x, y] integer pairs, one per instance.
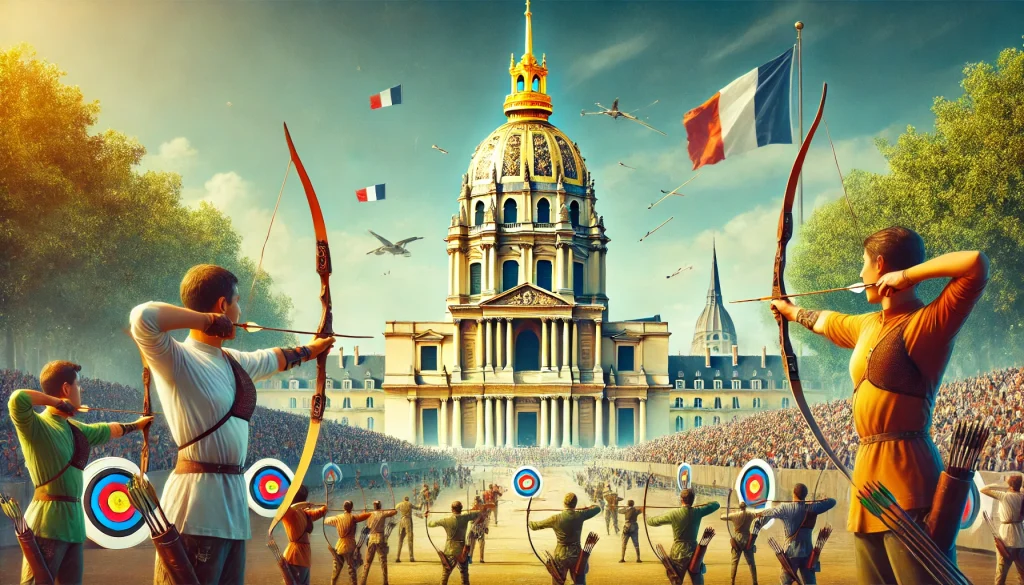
{"points": [[508, 556]]}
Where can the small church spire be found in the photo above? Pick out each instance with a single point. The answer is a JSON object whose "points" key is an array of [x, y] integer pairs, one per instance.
{"points": [[529, 99], [715, 288]]}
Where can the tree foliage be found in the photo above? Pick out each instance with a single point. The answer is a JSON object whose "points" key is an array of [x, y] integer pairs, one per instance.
{"points": [[87, 235], [961, 188]]}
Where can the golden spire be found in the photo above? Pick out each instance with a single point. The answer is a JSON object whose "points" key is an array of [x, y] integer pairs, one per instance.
{"points": [[529, 30], [528, 99]]}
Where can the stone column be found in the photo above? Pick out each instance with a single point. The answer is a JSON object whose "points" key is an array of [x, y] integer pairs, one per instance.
{"points": [[485, 279], [488, 422], [480, 344], [499, 423], [597, 345], [554, 423], [479, 422], [544, 344], [451, 270], [488, 344], [643, 420], [542, 439], [599, 421], [457, 423], [528, 260], [457, 344], [522, 264], [570, 260], [493, 253], [555, 363], [509, 351], [576, 422], [576, 343], [458, 272], [613, 428], [565, 344], [566, 423], [442, 421], [413, 437], [510, 413], [499, 338], [559, 270]]}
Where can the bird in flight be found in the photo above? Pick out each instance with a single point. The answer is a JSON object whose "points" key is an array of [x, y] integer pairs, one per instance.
{"points": [[615, 113], [622, 164], [397, 249], [438, 148]]}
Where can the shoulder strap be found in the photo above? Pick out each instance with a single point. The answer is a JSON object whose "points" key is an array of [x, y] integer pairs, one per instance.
{"points": [[235, 409], [77, 439]]}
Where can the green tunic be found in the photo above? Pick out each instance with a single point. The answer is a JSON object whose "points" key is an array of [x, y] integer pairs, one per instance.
{"points": [[47, 444], [568, 527], [455, 526], [685, 523]]}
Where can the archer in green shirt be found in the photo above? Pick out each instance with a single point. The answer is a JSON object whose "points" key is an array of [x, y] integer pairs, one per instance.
{"points": [[568, 527], [685, 522], [455, 527]]}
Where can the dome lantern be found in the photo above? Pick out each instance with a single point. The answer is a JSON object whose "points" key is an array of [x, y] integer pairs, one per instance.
{"points": [[529, 99]]}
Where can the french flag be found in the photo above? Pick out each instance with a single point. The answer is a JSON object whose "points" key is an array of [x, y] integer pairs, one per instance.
{"points": [[371, 193], [388, 97], [750, 112]]}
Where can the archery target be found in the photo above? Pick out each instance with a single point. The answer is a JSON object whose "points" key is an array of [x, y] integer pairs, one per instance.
{"points": [[111, 520], [755, 485], [683, 476], [267, 482], [385, 471], [527, 482], [331, 474], [972, 508]]}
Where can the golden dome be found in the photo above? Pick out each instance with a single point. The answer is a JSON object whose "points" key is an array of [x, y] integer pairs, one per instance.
{"points": [[529, 148]]}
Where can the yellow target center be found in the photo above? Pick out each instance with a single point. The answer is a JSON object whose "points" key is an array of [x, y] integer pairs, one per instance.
{"points": [[118, 502], [755, 486], [273, 486]]}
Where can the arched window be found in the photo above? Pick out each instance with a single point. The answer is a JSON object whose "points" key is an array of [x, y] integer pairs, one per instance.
{"points": [[344, 421], [475, 272], [369, 424], [478, 215], [735, 402], [718, 401], [698, 403], [544, 274], [508, 211], [328, 403], [536, 83], [757, 403], [717, 420], [369, 402], [292, 403], [527, 349], [520, 84], [347, 403], [509, 274], [697, 422], [785, 403], [543, 211], [680, 425], [574, 213], [679, 403]]}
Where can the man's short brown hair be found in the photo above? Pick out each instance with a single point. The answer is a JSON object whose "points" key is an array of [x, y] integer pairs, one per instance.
{"points": [[1014, 481], [800, 491], [901, 247], [204, 284], [687, 497], [55, 374]]}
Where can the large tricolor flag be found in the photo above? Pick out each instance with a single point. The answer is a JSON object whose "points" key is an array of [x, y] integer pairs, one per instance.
{"points": [[371, 193], [388, 97], [750, 112]]}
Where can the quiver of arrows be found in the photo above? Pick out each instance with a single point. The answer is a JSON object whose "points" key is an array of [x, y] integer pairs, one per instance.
{"points": [[552, 566], [702, 548], [1001, 546], [27, 541], [163, 533], [954, 485], [823, 534], [670, 569], [787, 567], [581, 561], [389, 529]]}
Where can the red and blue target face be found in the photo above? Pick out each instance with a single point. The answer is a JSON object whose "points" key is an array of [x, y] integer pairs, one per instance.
{"points": [[527, 482], [108, 506], [385, 471], [331, 474], [971, 508], [755, 484], [267, 483], [683, 476]]}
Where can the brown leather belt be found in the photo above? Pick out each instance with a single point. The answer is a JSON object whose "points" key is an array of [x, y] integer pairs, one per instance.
{"points": [[883, 437], [45, 497], [184, 466]]}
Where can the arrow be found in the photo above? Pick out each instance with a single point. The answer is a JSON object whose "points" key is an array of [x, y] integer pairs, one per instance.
{"points": [[438, 148], [251, 327], [673, 191], [657, 228], [85, 408], [621, 164], [678, 271], [854, 288]]}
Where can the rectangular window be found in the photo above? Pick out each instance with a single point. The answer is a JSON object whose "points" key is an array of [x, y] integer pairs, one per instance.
{"points": [[305, 402], [368, 384], [577, 279], [755, 384], [346, 384], [735, 384], [718, 384], [291, 403], [428, 358], [544, 274], [680, 384], [474, 278], [698, 384], [735, 402], [626, 358]]}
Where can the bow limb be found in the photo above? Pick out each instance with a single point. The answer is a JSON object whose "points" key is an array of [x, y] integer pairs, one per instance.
{"points": [[426, 527], [785, 233], [647, 486], [323, 525], [319, 399], [728, 522], [528, 537]]}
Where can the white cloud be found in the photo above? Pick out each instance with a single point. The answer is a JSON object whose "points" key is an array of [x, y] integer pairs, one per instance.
{"points": [[177, 154], [761, 30], [608, 57]]}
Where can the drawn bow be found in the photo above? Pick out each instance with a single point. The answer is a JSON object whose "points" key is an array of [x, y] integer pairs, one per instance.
{"points": [[319, 399], [647, 532], [785, 232]]}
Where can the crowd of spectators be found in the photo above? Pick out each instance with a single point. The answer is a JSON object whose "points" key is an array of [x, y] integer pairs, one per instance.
{"points": [[272, 433], [783, 439]]}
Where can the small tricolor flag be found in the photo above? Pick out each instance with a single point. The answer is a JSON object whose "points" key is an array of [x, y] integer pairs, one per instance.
{"points": [[750, 112], [388, 97], [371, 193]]}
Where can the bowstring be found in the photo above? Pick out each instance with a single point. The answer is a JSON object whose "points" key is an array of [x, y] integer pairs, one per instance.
{"points": [[842, 183], [259, 264]]}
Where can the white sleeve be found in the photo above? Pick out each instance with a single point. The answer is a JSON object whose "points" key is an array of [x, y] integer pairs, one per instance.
{"points": [[259, 364], [162, 353]]}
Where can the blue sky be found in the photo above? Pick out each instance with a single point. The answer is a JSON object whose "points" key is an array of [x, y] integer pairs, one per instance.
{"points": [[165, 72]]}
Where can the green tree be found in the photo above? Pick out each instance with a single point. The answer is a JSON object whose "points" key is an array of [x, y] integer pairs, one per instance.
{"points": [[961, 188]]}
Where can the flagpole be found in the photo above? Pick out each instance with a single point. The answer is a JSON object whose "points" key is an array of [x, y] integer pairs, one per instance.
{"points": [[800, 106]]}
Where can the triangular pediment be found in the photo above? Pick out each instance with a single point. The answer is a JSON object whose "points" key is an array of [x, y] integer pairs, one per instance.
{"points": [[526, 294], [429, 335]]}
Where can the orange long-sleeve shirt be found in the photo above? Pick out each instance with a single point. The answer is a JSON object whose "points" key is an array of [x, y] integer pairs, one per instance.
{"points": [[908, 467], [297, 522]]}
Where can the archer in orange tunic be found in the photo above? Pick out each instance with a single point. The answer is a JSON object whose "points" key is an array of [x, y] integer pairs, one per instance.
{"points": [[899, 356]]}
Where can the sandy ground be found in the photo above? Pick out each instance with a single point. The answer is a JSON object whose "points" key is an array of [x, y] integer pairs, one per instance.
{"points": [[508, 555]]}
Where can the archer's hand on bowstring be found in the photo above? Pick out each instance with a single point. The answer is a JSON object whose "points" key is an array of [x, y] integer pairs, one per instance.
{"points": [[891, 282]]}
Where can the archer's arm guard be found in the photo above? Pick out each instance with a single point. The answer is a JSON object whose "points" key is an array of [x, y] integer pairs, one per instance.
{"points": [[294, 356]]}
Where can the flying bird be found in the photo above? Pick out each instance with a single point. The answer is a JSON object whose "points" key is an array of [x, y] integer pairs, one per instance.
{"points": [[396, 249], [614, 113], [622, 164], [229, 104], [678, 271], [438, 148]]}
